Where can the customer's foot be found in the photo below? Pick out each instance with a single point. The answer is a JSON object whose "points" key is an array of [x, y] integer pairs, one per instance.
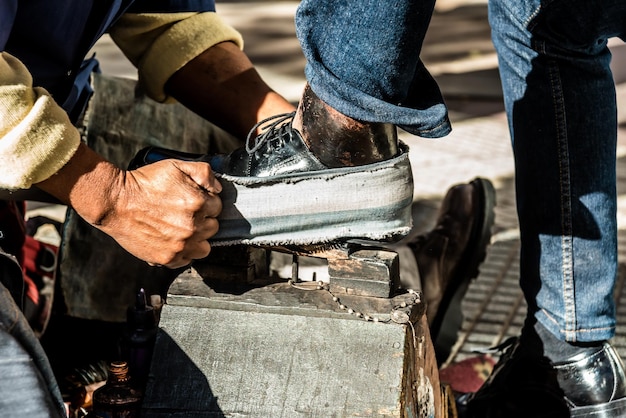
{"points": [[315, 137], [448, 256], [276, 191], [524, 383]]}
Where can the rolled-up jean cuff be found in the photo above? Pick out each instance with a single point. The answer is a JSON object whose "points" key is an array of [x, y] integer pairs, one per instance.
{"points": [[428, 121]]}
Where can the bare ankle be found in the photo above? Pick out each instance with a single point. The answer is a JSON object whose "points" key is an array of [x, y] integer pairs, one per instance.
{"points": [[338, 140]]}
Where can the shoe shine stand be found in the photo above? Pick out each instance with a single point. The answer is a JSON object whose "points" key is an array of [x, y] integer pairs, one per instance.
{"points": [[235, 342]]}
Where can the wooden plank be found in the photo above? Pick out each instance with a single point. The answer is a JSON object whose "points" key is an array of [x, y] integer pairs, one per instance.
{"points": [[366, 272]]}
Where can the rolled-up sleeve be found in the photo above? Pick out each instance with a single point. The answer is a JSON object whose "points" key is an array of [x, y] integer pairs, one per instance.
{"points": [[159, 44], [37, 137]]}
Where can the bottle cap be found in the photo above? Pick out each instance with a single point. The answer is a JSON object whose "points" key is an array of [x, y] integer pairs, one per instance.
{"points": [[141, 315]]}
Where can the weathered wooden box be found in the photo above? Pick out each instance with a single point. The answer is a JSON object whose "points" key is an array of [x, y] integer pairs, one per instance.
{"points": [[278, 351]]}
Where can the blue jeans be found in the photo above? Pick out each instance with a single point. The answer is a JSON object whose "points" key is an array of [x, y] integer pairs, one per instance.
{"points": [[27, 384], [363, 60], [560, 102]]}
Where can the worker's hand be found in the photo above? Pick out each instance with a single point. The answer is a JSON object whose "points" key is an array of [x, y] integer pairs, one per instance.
{"points": [[165, 212]]}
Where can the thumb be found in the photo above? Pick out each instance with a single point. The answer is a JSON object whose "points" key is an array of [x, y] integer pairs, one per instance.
{"points": [[201, 174]]}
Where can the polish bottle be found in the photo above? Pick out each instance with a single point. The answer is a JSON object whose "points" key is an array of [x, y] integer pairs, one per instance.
{"points": [[140, 336], [117, 398]]}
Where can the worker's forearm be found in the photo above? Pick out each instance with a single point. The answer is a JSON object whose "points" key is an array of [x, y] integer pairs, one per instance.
{"points": [[88, 183], [223, 86]]}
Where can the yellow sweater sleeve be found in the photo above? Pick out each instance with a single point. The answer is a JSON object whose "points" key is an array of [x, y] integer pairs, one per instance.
{"points": [[37, 137], [159, 44]]}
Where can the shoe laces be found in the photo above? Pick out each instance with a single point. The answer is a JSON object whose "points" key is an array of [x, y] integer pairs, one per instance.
{"points": [[272, 129]]}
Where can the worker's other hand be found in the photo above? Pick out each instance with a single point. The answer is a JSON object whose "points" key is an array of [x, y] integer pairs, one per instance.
{"points": [[165, 212]]}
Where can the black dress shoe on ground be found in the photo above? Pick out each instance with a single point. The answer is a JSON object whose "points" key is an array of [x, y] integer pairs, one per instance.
{"points": [[526, 384], [449, 256], [275, 192]]}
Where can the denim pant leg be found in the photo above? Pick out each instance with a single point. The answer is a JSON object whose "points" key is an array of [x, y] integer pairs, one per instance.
{"points": [[27, 385], [363, 59], [560, 102]]}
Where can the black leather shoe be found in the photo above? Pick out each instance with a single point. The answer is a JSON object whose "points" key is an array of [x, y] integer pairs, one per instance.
{"points": [[279, 149], [449, 256], [524, 383]]}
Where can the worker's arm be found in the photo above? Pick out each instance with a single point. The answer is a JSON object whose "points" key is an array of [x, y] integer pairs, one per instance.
{"points": [[163, 213], [198, 60]]}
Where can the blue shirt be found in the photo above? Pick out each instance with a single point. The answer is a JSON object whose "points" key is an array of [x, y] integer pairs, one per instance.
{"points": [[53, 37]]}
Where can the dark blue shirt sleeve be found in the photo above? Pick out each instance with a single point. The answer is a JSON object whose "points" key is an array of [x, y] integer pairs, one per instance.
{"points": [[171, 6]]}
